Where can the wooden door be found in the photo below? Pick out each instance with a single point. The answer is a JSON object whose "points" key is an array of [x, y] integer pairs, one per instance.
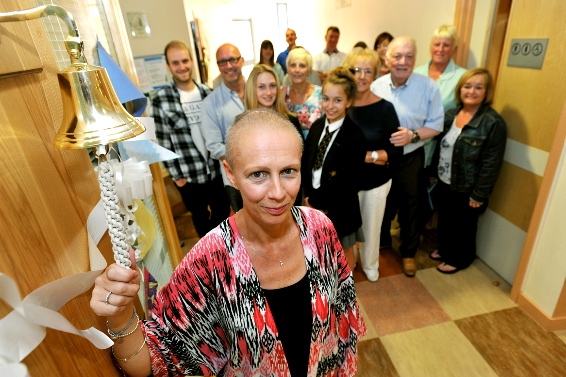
{"points": [[47, 195]]}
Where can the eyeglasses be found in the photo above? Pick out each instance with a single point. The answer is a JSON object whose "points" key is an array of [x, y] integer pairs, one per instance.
{"points": [[358, 71], [223, 62]]}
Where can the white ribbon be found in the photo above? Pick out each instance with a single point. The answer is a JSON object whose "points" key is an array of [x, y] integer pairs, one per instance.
{"points": [[24, 328], [132, 180]]}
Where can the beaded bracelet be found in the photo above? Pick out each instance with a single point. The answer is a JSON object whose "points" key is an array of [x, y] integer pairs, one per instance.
{"points": [[120, 334], [119, 337], [129, 357]]}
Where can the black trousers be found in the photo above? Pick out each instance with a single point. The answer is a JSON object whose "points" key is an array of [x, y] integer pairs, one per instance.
{"points": [[207, 202], [407, 190], [457, 226]]}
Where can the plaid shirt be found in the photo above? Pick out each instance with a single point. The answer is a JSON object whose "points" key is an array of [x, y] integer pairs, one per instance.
{"points": [[173, 133]]}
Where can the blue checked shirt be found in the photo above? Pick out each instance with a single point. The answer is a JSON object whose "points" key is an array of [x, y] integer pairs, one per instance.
{"points": [[173, 133]]}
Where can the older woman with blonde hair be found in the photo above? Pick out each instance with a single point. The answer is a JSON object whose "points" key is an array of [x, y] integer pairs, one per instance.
{"points": [[446, 73], [302, 97], [378, 120], [441, 67], [443, 70]]}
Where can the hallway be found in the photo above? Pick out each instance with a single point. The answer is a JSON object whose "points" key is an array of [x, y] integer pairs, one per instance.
{"points": [[437, 325]]}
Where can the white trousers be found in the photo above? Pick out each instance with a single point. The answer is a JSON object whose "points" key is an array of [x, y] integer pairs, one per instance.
{"points": [[372, 206]]}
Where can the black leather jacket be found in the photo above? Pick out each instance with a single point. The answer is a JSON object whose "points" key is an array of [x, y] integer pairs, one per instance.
{"points": [[478, 152]]}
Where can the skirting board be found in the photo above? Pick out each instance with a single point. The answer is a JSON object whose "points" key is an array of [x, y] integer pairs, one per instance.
{"points": [[540, 317]]}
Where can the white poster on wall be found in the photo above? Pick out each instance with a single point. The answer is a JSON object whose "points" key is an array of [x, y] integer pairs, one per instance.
{"points": [[152, 72]]}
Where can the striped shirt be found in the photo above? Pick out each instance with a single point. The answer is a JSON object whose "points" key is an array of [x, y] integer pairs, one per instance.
{"points": [[418, 103]]}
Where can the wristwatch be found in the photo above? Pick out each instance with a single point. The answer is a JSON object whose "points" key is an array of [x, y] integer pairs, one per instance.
{"points": [[374, 156], [416, 138]]}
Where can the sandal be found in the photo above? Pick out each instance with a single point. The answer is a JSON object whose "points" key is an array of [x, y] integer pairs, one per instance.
{"points": [[435, 256], [447, 272]]}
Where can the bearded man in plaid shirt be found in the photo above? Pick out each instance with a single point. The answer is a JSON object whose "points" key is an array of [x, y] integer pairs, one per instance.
{"points": [[176, 109]]}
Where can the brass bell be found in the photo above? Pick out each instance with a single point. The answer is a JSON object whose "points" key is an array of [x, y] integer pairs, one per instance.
{"points": [[92, 112]]}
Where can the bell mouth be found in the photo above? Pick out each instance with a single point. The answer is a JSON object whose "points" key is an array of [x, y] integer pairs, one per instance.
{"points": [[93, 114]]}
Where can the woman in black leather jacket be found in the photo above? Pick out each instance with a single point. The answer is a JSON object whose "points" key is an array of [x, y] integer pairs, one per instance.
{"points": [[469, 155]]}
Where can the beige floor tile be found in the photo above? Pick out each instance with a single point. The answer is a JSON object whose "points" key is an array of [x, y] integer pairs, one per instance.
{"points": [[493, 276], [436, 351], [561, 335], [464, 294]]}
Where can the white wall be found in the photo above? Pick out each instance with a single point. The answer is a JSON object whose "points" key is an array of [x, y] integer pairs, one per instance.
{"points": [[363, 20], [546, 273], [166, 19], [481, 33]]}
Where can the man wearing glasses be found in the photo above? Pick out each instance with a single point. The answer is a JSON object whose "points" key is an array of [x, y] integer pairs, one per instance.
{"points": [[221, 107], [418, 104]]}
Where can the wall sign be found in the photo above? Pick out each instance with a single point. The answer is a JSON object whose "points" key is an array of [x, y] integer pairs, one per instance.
{"points": [[152, 72], [527, 52]]}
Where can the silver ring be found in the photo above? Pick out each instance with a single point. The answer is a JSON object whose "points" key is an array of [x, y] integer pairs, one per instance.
{"points": [[107, 297]]}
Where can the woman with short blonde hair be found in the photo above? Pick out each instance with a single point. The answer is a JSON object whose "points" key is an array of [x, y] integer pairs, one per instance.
{"points": [[302, 97]]}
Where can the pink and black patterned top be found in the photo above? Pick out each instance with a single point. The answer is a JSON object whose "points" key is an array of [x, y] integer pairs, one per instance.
{"points": [[213, 318]]}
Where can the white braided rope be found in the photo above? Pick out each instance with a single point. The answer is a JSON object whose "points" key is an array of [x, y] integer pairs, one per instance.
{"points": [[111, 206]]}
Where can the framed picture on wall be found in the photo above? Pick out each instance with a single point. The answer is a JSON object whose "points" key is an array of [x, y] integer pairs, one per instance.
{"points": [[139, 27]]}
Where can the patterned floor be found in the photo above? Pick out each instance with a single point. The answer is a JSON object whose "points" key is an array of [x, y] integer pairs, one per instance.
{"points": [[450, 325], [437, 325]]}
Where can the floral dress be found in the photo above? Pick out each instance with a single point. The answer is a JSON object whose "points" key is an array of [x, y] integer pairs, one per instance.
{"points": [[307, 112]]}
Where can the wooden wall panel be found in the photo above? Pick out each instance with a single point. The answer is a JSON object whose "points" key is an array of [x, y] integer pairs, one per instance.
{"points": [[47, 195], [464, 20], [515, 195], [497, 41], [18, 53], [530, 99]]}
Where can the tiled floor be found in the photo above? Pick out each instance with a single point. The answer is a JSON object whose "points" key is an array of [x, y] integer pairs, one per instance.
{"points": [[450, 325], [439, 325]]}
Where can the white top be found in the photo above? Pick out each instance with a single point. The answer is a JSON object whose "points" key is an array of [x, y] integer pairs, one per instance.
{"points": [[327, 62], [191, 104], [446, 152]]}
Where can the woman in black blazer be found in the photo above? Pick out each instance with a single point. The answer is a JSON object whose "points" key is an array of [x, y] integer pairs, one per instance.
{"points": [[329, 183]]}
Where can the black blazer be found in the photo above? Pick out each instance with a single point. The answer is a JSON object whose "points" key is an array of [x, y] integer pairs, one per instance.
{"points": [[337, 195]]}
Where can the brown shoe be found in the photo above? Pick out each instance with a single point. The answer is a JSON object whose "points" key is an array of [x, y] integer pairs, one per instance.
{"points": [[409, 267]]}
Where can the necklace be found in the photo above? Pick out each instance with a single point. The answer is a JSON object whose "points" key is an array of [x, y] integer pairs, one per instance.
{"points": [[261, 254]]}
